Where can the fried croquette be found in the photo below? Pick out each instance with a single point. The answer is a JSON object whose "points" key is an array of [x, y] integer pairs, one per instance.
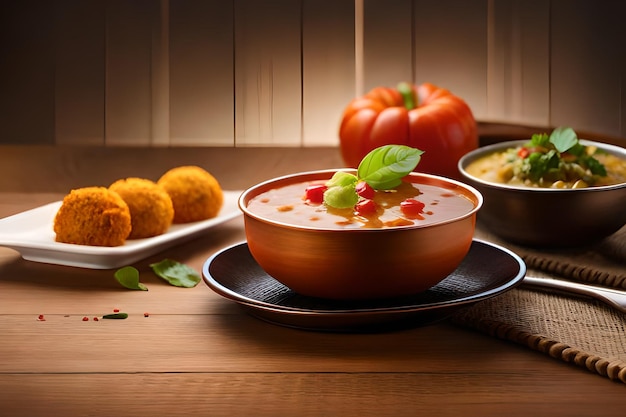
{"points": [[151, 208], [93, 216], [195, 193]]}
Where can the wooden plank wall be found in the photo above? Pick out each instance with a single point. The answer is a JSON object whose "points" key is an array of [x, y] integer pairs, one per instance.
{"points": [[279, 72]]}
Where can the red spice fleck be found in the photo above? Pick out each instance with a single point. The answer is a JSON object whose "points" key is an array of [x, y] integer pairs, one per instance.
{"points": [[116, 310], [41, 318], [96, 319], [146, 314], [85, 318]]}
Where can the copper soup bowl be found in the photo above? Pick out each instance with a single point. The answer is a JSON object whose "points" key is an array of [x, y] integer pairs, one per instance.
{"points": [[548, 217], [362, 263]]}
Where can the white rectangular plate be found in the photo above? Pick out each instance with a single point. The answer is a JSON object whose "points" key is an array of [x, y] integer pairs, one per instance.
{"points": [[31, 234]]}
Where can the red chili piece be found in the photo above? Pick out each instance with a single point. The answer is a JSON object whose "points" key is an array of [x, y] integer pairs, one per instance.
{"points": [[365, 207], [365, 190], [314, 194], [412, 207], [116, 310], [523, 153], [96, 319], [146, 314], [41, 318], [85, 318]]}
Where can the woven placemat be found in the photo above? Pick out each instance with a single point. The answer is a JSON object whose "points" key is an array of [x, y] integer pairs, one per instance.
{"points": [[584, 332]]}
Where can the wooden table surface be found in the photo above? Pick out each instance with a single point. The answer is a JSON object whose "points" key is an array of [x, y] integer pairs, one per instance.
{"points": [[198, 353]]}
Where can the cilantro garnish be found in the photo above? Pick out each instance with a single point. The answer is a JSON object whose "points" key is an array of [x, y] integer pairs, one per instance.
{"points": [[594, 166], [551, 156], [383, 169]]}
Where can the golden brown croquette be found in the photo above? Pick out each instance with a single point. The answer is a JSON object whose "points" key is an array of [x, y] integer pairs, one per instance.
{"points": [[151, 208], [195, 193], [92, 216]]}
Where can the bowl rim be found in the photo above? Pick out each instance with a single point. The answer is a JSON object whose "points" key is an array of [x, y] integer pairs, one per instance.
{"points": [[457, 184], [485, 150]]}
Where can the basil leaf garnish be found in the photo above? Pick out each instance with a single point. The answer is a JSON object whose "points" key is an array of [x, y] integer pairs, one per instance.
{"points": [[176, 273], [563, 138], [384, 167], [128, 276]]}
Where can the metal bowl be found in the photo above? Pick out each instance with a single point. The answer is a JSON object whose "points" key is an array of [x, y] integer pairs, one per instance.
{"points": [[546, 217], [357, 264]]}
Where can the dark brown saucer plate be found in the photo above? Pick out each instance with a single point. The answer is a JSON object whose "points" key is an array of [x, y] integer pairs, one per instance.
{"points": [[487, 271]]}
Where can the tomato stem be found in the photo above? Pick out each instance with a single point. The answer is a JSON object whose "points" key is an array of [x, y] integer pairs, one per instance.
{"points": [[406, 91]]}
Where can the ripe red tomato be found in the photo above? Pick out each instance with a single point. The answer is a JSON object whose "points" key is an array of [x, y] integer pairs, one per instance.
{"points": [[425, 117]]}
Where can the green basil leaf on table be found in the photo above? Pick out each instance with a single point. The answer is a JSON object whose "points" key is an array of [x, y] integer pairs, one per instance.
{"points": [[176, 273], [128, 277]]}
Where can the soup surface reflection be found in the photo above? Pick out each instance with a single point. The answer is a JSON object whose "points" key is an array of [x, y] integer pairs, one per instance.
{"points": [[288, 205]]}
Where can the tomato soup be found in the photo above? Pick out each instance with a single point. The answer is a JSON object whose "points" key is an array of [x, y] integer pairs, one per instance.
{"points": [[288, 205]]}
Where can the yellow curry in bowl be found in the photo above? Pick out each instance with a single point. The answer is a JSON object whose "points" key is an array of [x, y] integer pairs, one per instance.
{"points": [[559, 161], [551, 191]]}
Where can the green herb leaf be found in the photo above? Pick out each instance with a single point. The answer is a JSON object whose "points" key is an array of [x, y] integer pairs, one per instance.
{"points": [[116, 316], [384, 167], [540, 139], [538, 164], [559, 155], [128, 276], [578, 150], [596, 167], [563, 138], [176, 273]]}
